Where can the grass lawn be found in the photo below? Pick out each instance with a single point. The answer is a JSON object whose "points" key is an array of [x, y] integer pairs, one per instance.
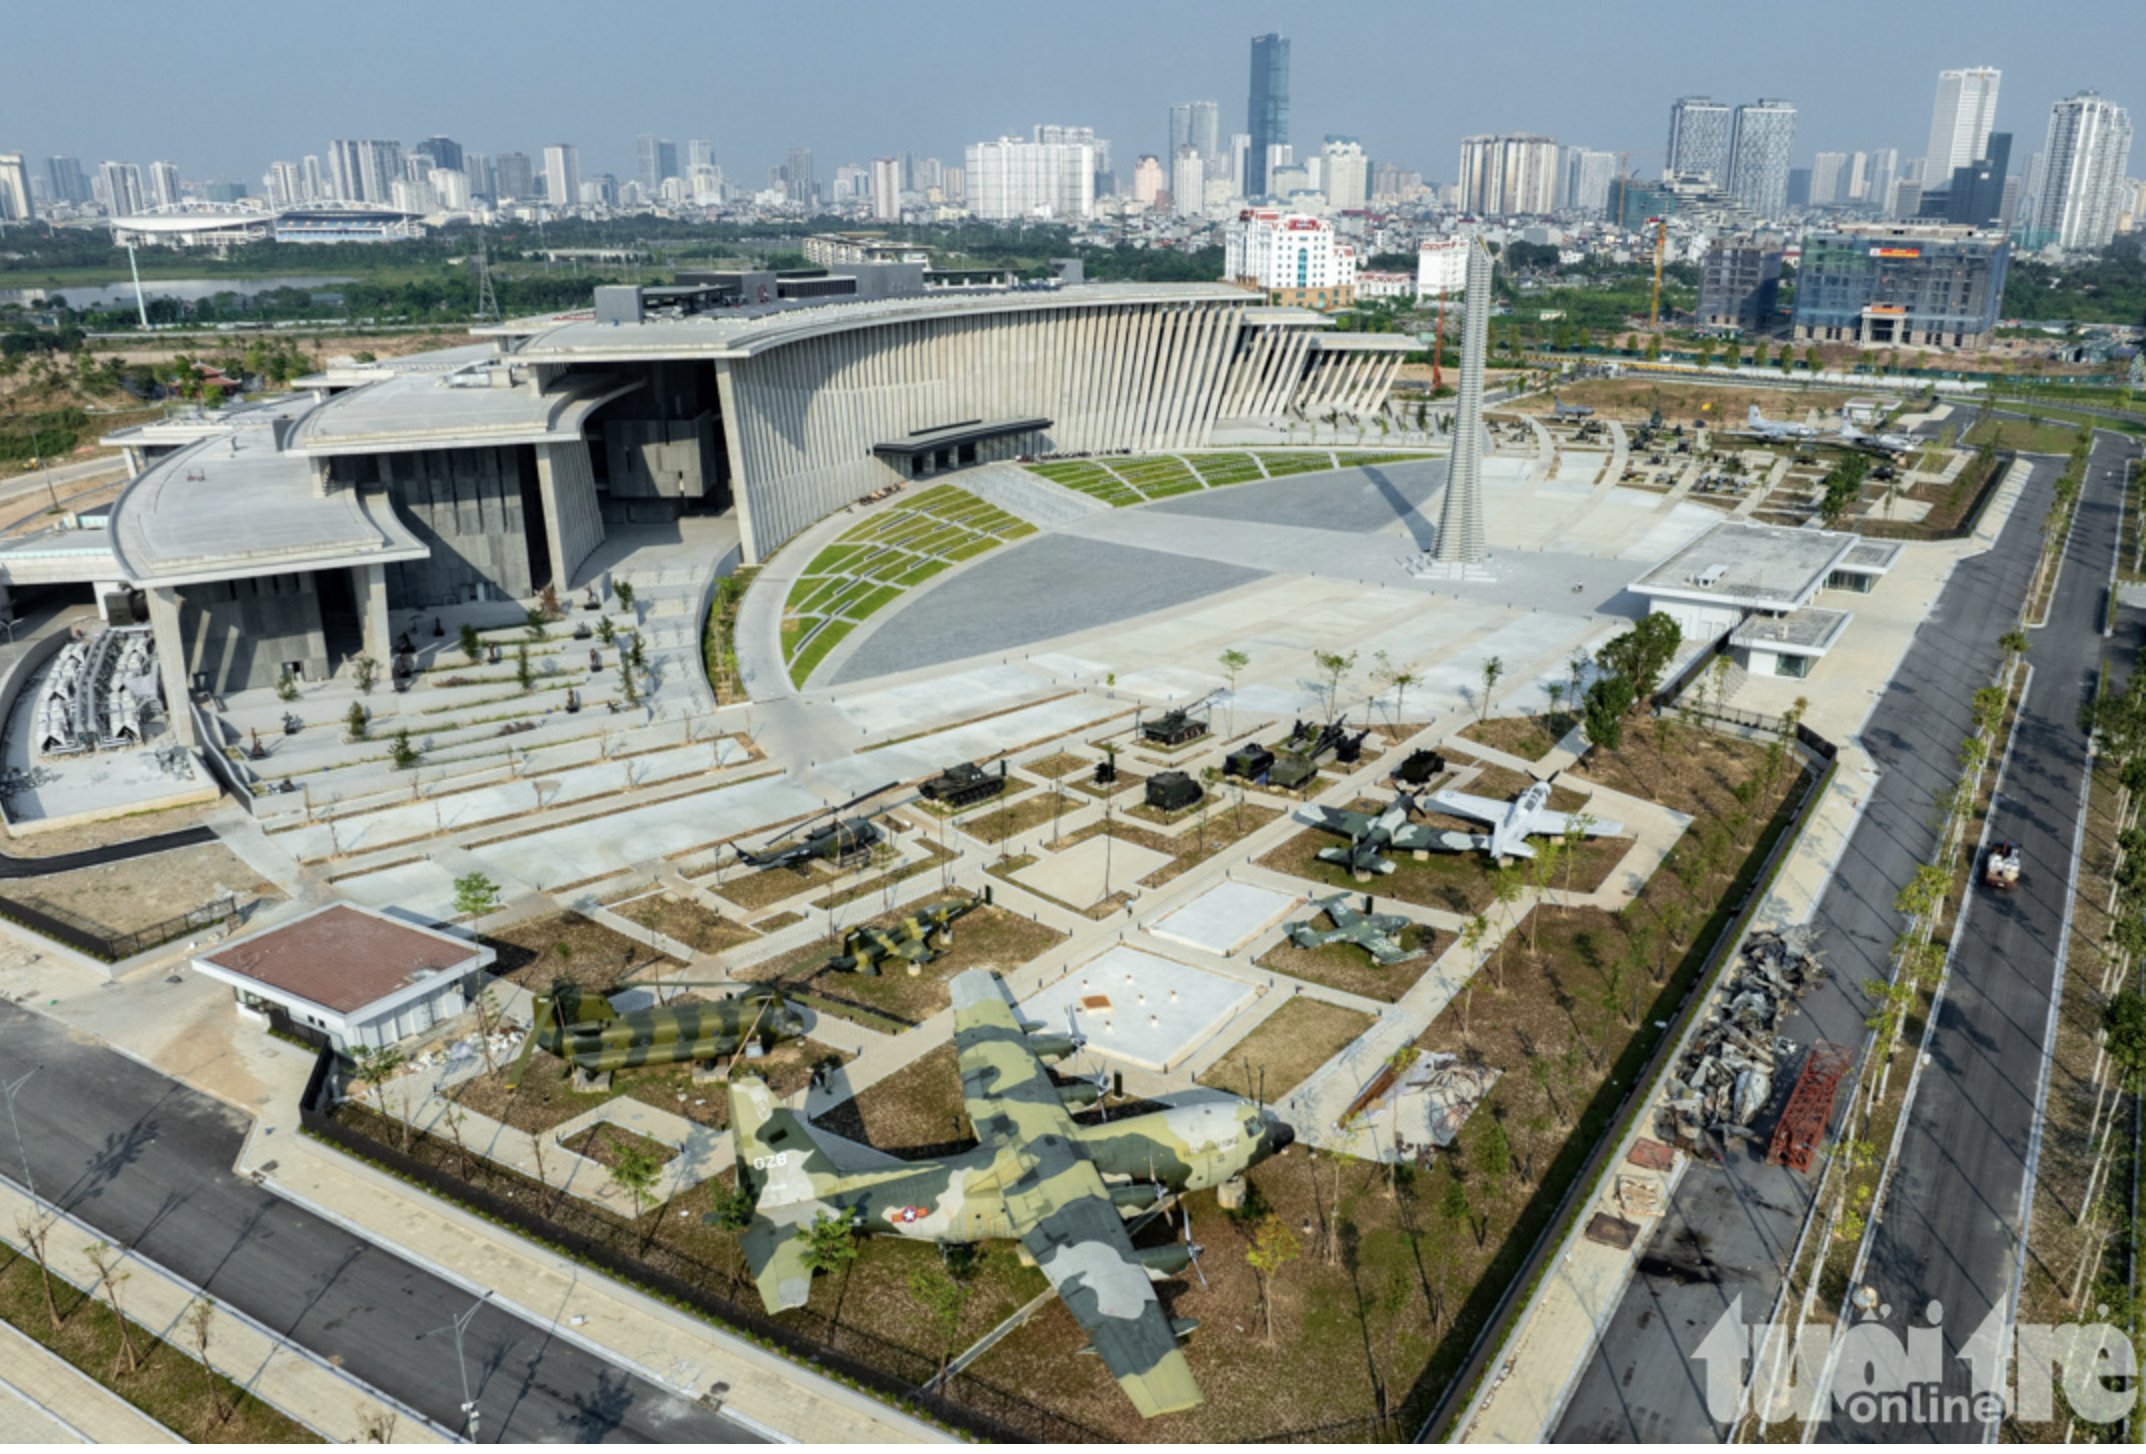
{"points": [[574, 947], [2044, 437], [1287, 1047]]}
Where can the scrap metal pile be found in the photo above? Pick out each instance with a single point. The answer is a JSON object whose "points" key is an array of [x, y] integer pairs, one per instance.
{"points": [[1726, 1074]]}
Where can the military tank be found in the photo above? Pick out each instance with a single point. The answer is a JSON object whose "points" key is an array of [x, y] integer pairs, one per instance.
{"points": [[963, 784], [1171, 791], [1177, 726]]}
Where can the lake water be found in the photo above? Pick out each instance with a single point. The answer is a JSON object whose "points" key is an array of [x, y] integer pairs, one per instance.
{"points": [[115, 295]]}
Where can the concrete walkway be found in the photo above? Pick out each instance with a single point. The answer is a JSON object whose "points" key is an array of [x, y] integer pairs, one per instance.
{"points": [[44, 1399]]}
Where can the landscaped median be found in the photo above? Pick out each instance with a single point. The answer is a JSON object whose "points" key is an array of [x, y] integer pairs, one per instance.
{"points": [[1136, 479], [872, 563]]}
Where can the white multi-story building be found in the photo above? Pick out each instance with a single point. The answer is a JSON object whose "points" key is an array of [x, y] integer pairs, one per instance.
{"points": [[1825, 177], [886, 189], [1587, 178], [122, 188], [285, 185], [1345, 174], [163, 185], [562, 175], [450, 189], [1758, 165], [1188, 182], [1960, 123], [2079, 193], [1508, 176], [1296, 260], [1010, 179], [1441, 267], [15, 201], [1700, 132], [364, 171]]}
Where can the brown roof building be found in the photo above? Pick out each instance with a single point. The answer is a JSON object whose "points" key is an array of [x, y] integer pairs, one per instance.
{"points": [[363, 977]]}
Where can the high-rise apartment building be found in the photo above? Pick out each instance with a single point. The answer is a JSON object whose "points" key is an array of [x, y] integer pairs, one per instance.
{"points": [[441, 153], [513, 178], [1345, 174], [313, 179], [886, 189], [163, 185], [1960, 123], [797, 176], [1240, 161], [1758, 161], [2080, 192], [68, 181], [1700, 132], [365, 171], [562, 175], [1508, 176], [122, 188], [1585, 183], [1188, 182], [1150, 181], [699, 154], [655, 161], [1048, 177], [15, 202], [285, 184], [1884, 169], [1858, 184], [1198, 124], [1267, 112], [1825, 177]]}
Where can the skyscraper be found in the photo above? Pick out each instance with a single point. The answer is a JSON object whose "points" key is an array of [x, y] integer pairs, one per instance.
{"points": [[15, 204], [886, 190], [1758, 164], [163, 184], [365, 171], [1825, 177], [122, 188], [699, 154], [1052, 176], [1700, 130], [1267, 112], [562, 175], [1508, 176], [1188, 182], [1587, 178], [2079, 193], [441, 153], [1344, 174], [286, 185], [656, 161], [797, 175], [514, 178], [1960, 123], [69, 183]]}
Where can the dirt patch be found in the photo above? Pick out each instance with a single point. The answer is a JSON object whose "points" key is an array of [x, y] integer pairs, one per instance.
{"points": [[1067, 765], [1683, 402], [137, 893], [572, 946], [686, 920], [1459, 883], [1350, 969], [1223, 829], [1528, 738], [915, 1113], [604, 1143], [985, 938], [546, 1098], [1293, 1042], [129, 829]]}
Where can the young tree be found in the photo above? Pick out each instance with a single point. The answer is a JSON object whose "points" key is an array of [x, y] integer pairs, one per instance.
{"points": [[1270, 1247], [524, 674], [623, 589], [475, 895], [471, 643], [1453, 1208], [366, 672], [402, 752], [731, 1213], [1233, 662], [109, 1280], [1494, 1151], [831, 1246], [941, 1297], [1493, 672], [1556, 691], [355, 722], [1506, 886], [199, 1321], [1335, 667], [36, 1235], [635, 1172]]}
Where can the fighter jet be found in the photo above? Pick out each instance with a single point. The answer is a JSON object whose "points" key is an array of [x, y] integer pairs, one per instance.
{"points": [[837, 839], [1569, 411], [917, 940], [1378, 935], [1373, 835], [1878, 443], [583, 1028], [1063, 1191], [1512, 823], [1765, 428]]}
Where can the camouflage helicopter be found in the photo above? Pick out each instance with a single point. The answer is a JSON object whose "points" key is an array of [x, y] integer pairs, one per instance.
{"points": [[836, 840], [917, 940], [1063, 1191], [583, 1028]]}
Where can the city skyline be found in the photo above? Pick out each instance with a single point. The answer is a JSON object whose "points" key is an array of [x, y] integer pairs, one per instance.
{"points": [[864, 103]]}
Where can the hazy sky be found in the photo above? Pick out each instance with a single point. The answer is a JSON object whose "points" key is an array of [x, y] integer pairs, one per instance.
{"points": [[224, 89]]}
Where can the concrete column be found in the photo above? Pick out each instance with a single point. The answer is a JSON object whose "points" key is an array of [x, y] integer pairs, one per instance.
{"points": [[726, 394], [369, 584], [171, 662]]}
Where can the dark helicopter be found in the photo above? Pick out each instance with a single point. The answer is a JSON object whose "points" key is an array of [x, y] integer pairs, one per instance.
{"points": [[839, 840]]}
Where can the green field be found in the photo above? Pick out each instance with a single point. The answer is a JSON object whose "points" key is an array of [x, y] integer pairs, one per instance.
{"points": [[1137, 479], [874, 563]]}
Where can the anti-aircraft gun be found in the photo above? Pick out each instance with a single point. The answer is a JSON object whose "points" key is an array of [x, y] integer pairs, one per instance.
{"points": [[1297, 758]]}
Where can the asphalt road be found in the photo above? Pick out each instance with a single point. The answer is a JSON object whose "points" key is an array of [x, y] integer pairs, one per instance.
{"points": [[147, 1162], [1729, 1230], [1955, 1222]]}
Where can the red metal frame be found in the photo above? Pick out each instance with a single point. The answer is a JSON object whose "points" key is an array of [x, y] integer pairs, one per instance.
{"points": [[1810, 1105]]}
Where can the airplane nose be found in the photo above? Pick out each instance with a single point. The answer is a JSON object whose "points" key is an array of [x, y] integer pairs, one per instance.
{"points": [[1280, 1136]]}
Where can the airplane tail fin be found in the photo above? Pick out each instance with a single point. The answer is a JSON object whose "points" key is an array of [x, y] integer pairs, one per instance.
{"points": [[1755, 417], [777, 1154]]}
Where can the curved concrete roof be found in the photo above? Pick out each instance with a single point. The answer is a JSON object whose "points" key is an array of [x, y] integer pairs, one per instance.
{"points": [[456, 410], [236, 505]]}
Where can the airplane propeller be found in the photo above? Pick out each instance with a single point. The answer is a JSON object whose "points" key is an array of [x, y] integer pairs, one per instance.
{"points": [[1192, 1248]]}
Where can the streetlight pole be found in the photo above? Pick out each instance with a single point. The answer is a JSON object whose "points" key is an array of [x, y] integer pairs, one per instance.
{"points": [[458, 1327]]}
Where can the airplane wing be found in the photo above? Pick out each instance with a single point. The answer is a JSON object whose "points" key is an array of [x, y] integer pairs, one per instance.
{"points": [[776, 1254], [1415, 836], [1468, 805], [1059, 1206], [1007, 1091], [1063, 1213], [1555, 824], [1344, 821]]}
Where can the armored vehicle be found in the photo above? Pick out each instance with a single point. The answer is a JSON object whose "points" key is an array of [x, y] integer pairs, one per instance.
{"points": [[1170, 791], [1249, 762], [1419, 767], [1177, 726], [965, 783]]}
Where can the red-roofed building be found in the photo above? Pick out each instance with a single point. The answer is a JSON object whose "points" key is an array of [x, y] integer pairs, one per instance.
{"points": [[362, 977]]}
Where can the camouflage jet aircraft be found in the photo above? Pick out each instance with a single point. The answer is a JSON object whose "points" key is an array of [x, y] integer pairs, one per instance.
{"points": [[1379, 935], [1374, 835], [918, 939], [1063, 1191], [583, 1028]]}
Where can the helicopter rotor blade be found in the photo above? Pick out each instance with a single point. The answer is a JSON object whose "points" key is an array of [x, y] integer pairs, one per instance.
{"points": [[529, 1041]]}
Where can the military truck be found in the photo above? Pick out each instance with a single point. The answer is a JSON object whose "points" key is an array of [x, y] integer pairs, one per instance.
{"points": [[1419, 767], [965, 783], [1172, 791], [1248, 762]]}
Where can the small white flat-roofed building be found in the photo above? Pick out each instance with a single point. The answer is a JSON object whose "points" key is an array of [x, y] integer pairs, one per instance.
{"points": [[363, 978], [1754, 585]]}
